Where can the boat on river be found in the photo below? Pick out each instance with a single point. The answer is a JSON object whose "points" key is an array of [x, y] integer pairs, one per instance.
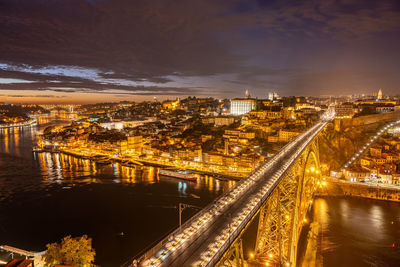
{"points": [[183, 175]]}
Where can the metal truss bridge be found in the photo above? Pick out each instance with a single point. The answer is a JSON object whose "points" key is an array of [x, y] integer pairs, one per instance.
{"points": [[278, 193]]}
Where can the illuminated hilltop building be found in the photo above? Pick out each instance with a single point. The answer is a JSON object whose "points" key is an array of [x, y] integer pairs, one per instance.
{"points": [[344, 110], [273, 96], [171, 105], [240, 106], [380, 94]]}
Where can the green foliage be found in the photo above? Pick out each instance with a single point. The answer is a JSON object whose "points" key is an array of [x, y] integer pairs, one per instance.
{"points": [[76, 251]]}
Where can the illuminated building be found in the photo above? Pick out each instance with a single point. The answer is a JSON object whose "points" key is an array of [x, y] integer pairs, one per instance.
{"points": [[273, 96], [385, 108], [240, 106], [380, 94], [266, 114], [218, 121], [287, 135], [345, 110], [112, 125], [171, 105], [356, 174]]}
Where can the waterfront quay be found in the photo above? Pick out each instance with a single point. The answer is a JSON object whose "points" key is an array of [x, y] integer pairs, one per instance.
{"points": [[30, 122], [334, 187], [139, 163], [191, 134]]}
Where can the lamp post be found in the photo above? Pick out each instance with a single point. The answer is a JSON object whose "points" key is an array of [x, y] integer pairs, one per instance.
{"points": [[181, 207]]}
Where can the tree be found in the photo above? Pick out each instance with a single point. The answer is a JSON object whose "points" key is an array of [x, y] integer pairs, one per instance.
{"points": [[76, 251]]}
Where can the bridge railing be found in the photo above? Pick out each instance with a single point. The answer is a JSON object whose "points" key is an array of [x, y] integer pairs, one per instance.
{"points": [[235, 234], [152, 251]]}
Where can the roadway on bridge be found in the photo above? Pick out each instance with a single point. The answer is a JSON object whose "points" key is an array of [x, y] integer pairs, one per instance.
{"points": [[205, 239]]}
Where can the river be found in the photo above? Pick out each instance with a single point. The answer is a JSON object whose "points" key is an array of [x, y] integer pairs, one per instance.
{"points": [[357, 232], [44, 197]]}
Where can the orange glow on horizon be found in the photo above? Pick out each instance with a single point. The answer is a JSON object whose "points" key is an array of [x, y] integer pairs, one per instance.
{"points": [[34, 97]]}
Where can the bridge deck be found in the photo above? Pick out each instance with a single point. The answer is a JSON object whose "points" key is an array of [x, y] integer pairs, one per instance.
{"points": [[222, 221], [202, 241]]}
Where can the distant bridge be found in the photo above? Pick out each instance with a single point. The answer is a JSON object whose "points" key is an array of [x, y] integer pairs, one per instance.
{"points": [[68, 108], [279, 191]]}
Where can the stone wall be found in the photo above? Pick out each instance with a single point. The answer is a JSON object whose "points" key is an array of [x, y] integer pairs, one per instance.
{"points": [[368, 119], [342, 138], [339, 188]]}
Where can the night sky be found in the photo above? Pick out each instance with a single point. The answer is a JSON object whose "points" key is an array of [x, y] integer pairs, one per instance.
{"points": [[112, 50]]}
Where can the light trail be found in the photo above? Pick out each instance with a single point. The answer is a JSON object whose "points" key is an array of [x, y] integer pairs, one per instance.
{"points": [[370, 142]]}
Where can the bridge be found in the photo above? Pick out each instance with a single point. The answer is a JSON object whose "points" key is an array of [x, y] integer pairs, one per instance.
{"points": [[68, 108], [278, 193]]}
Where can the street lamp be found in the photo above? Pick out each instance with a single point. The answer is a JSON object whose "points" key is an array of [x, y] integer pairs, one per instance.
{"points": [[183, 206]]}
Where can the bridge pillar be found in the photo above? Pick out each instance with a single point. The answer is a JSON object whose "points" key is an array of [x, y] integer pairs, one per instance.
{"points": [[282, 216]]}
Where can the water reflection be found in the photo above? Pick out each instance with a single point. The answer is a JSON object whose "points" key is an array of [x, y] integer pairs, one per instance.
{"points": [[182, 188], [376, 221], [5, 133], [53, 190], [61, 168], [363, 232], [58, 167], [344, 211]]}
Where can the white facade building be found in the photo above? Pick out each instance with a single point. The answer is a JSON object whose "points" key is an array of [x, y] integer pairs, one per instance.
{"points": [[240, 106], [273, 96]]}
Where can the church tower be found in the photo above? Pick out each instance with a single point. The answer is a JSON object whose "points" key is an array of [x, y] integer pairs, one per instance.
{"points": [[380, 94]]}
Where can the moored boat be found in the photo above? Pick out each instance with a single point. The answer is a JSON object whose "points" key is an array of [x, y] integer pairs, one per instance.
{"points": [[178, 174]]}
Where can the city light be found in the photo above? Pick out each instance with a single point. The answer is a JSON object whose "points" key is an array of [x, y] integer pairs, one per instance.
{"points": [[239, 191], [368, 144], [199, 133]]}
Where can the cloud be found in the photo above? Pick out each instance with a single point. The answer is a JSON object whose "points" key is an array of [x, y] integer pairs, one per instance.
{"points": [[139, 39], [34, 96], [10, 80], [161, 46]]}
